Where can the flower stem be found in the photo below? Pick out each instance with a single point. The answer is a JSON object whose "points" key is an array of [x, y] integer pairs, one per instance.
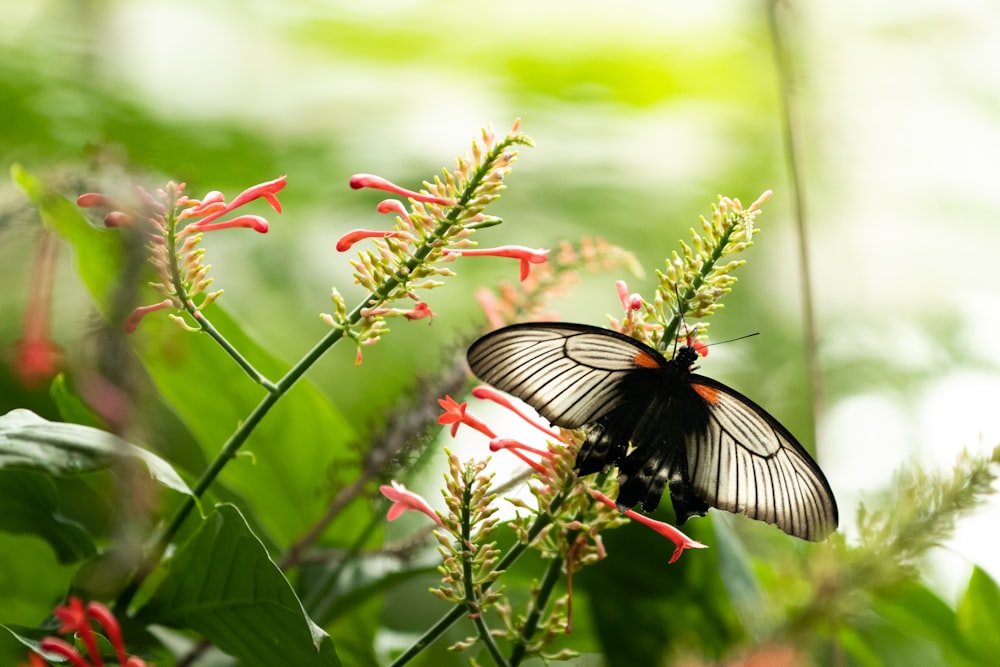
{"points": [[538, 606], [277, 390], [199, 317], [471, 599]]}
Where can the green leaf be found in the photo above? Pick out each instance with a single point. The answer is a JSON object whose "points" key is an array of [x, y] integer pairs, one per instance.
{"points": [[223, 585], [29, 504], [919, 612], [979, 615], [29, 442]]}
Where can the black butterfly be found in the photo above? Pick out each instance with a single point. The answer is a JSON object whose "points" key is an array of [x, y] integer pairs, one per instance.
{"points": [[660, 424]]}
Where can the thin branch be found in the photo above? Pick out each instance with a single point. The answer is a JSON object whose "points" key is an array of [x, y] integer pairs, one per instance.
{"points": [[791, 134]]}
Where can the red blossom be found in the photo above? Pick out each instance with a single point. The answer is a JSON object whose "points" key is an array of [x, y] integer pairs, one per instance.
{"points": [[630, 302], [419, 312], [405, 500], [112, 630], [490, 306], [213, 207], [355, 235], [359, 181], [132, 321], [36, 357], [515, 447], [527, 256], [73, 619], [487, 393], [393, 206], [65, 649], [680, 540], [456, 414]]}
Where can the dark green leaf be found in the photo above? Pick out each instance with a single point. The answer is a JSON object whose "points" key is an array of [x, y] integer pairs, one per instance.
{"points": [[29, 442], [223, 585], [29, 504], [979, 615]]}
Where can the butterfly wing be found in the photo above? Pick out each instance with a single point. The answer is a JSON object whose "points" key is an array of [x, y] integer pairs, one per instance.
{"points": [[746, 462], [572, 374]]}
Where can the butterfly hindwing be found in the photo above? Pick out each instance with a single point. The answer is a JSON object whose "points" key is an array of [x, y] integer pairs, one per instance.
{"points": [[746, 462]]}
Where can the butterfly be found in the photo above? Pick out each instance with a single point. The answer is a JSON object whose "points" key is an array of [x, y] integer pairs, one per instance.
{"points": [[663, 426]]}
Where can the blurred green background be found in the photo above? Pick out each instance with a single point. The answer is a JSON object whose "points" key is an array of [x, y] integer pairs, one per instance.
{"points": [[642, 113]]}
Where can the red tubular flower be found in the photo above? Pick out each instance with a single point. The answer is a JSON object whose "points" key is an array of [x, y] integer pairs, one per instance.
{"points": [[359, 181], [36, 357], [515, 447], [132, 321], [456, 414], [405, 500], [630, 302], [487, 393], [680, 540], [73, 618], [490, 306], [353, 236], [65, 649], [213, 207], [393, 206], [112, 630], [526, 256], [419, 312]]}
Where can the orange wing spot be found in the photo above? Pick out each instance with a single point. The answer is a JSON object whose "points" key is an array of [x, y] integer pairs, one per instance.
{"points": [[710, 394], [645, 360]]}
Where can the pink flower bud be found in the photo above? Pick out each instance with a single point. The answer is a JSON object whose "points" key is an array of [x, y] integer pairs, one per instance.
{"points": [[353, 236], [359, 181]]}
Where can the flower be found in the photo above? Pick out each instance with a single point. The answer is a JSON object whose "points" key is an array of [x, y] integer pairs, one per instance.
{"points": [[179, 267], [630, 302], [680, 540], [36, 358], [355, 235], [515, 447], [403, 500], [456, 414], [487, 393], [359, 181], [527, 256], [75, 618]]}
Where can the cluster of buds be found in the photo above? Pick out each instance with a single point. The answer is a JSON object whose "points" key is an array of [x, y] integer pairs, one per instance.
{"points": [[75, 618], [174, 253], [433, 230], [564, 523], [696, 278]]}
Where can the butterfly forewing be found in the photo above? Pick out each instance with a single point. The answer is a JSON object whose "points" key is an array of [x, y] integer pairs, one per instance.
{"points": [[572, 375]]}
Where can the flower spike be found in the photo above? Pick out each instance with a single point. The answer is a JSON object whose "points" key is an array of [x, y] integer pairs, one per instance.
{"points": [[182, 276]]}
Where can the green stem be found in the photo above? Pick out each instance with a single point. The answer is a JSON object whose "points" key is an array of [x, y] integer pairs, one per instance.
{"points": [[236, 440], [471, 598], [538, 606], [684, 299], [458, 611], [199, 317]]}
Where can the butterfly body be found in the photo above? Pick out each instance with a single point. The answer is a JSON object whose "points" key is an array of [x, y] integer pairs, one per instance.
{"points": [[664, 427]]}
